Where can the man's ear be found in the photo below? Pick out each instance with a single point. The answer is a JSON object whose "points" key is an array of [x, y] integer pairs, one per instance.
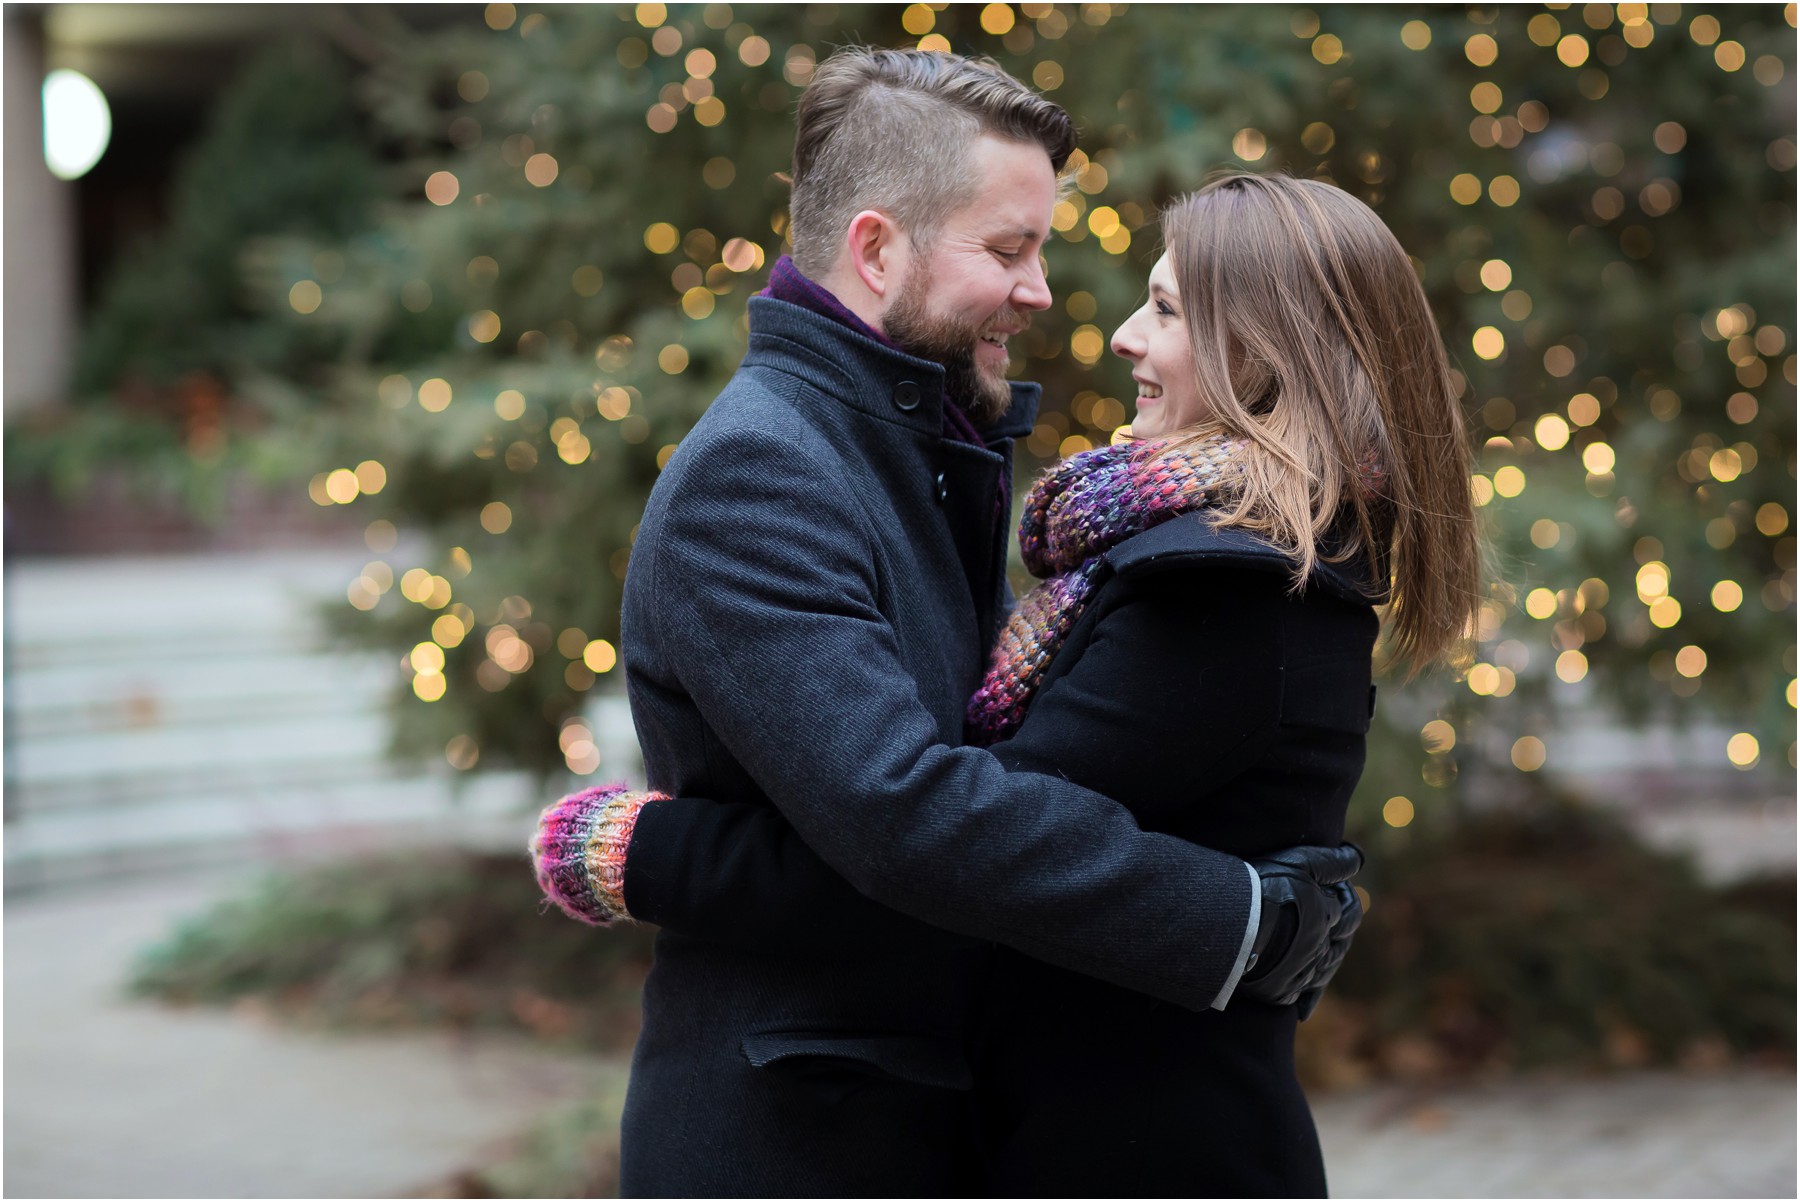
{"points": [[876, 248]]}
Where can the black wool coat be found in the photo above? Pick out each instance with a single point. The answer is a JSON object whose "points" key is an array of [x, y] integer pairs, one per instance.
{"points": [[813, 588], [1199, 689]]}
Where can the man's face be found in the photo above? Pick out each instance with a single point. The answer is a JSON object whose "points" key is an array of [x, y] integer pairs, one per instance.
{"points": [[981, 277]]}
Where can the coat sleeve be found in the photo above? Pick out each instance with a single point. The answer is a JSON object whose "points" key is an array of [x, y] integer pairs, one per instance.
{"points": [[738, 873], [1185, 670], [766, 598]]}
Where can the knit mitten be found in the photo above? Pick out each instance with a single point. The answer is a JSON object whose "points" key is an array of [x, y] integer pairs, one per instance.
{"points": [[579, 851]]}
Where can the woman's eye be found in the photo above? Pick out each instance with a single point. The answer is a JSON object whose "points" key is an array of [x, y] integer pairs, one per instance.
{"points": [[1163, 309]]}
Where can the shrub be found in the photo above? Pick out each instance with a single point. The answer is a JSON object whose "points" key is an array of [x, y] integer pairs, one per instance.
{"points": [[1551, 935], [1517, 938], [448, 937]]}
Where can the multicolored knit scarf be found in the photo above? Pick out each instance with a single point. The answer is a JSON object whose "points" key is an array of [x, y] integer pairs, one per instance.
{"points": [[1082, 508]]}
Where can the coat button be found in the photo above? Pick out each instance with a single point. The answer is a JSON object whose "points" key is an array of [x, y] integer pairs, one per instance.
{"points": [[942, 489], [906, 395]]}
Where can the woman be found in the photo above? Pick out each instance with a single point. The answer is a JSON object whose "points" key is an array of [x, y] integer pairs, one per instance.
{"points": [[1201, 652]]}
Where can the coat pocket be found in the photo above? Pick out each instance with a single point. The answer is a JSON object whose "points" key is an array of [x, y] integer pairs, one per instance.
{"points": [[839, 1064]]}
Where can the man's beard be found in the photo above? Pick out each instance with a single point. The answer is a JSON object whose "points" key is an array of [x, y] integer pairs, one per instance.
{"points": [[951, 343]]}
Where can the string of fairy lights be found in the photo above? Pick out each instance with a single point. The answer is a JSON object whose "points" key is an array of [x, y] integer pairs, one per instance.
{"points": [[1563, 621]]}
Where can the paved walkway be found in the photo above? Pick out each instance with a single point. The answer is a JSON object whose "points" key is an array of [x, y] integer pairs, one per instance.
{"points": [[1645, 1135], [113, 1098], [107, 1097]]}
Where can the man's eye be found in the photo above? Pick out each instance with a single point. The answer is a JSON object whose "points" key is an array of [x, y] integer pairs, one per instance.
{"points": [[1008, 255]]}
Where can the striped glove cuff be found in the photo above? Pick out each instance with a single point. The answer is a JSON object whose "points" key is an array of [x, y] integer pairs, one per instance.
{"points": [[579, 851]]}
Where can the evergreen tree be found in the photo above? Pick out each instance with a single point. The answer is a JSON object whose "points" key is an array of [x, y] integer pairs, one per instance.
{"points": [[1599, 200], [284, 154], [171, 380]]}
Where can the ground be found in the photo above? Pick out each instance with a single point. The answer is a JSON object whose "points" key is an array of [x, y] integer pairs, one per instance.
{"points": [[111, 1097], [1641, 1135]]}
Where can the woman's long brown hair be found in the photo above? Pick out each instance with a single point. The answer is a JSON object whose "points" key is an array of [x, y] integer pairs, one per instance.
{"points": [[1314, 343]]}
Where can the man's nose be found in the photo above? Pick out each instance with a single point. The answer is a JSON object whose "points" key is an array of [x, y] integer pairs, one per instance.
{"points": [[1033, 292]]}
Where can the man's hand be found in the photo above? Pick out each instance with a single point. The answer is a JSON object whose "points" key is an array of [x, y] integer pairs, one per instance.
{"points": [[1309, 914], [1349, 918]]}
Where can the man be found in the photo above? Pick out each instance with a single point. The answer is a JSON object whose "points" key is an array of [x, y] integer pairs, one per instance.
{"points": [[816, 581]]}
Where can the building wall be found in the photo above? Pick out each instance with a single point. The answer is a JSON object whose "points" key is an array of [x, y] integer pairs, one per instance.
{"points": [[40, 235]]}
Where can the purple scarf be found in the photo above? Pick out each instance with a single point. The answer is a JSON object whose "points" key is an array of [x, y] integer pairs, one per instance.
{"points": [[1079, 510]]}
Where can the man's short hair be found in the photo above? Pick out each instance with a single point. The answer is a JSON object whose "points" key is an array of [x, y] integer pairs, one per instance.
{"points": [[892, 130]]}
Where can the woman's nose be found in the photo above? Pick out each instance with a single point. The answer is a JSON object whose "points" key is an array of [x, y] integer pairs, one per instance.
{"points": [[1125, 342]]}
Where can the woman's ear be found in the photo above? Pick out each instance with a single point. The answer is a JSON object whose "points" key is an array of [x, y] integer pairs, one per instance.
{"points": [[877, 248]]}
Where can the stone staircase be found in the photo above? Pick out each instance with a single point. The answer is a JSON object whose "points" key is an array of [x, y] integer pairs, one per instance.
{"points": [[167, 711]]}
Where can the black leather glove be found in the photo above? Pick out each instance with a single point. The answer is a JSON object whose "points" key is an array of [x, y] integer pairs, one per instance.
{"points": [[1349, 918], [1309, 913]]}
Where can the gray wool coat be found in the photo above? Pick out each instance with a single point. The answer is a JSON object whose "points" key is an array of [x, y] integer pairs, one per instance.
{"points": [[813, 589]]}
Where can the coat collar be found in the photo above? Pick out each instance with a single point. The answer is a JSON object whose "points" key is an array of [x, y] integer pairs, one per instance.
{"points": [[1192, 538], [878, 380]]}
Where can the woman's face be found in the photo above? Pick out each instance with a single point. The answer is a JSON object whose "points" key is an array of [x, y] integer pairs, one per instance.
{"points": [[1154, 340]]}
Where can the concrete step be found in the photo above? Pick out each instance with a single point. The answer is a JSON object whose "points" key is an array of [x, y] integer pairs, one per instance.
{"points": [[390, 797], [79, 600], [181, 710], [91, 699]]}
